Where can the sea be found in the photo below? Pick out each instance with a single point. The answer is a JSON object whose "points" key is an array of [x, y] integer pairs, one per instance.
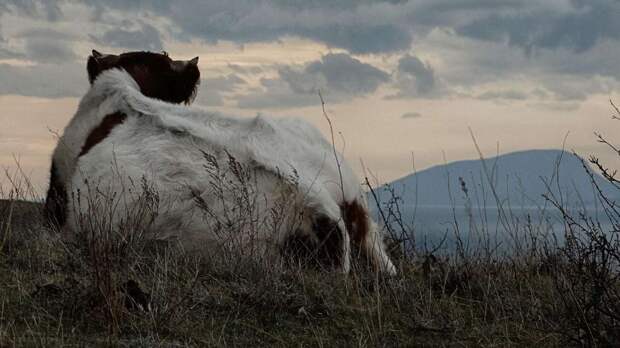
{"points": [[501, 230]]}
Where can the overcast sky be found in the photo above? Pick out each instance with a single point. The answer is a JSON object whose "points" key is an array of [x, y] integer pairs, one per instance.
{"points": [[403, 80]]}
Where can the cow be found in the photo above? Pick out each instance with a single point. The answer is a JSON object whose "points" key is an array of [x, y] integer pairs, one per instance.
{"points": [[157, 75], [277, 183]]}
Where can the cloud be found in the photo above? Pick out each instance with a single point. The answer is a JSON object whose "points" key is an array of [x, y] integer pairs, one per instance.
{"points": [[335, 73], [213, 90], [47, 46], [46, 51], [503, 94], [276, 94], [49, 10], [414, 78], [44, 33], [359, 26], [43, 80], [579, 28], [245, 70], [146, 38], [468, 66], [362, 38], [564, 47], [366, 26], [5, 51], [578, 88], [411, 115], [52, 11], [556, 105], [338, 76]]}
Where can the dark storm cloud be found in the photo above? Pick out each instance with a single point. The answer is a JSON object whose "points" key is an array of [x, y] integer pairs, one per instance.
{"points": [[492, 41], [358, 26], [339, 77], [363, 39], [579, 28], [414, 78], [337, 73], [369, 26], [146, 38]]}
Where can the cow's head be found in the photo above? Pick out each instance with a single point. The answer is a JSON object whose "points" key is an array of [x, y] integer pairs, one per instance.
{"points": [[158, 76]]}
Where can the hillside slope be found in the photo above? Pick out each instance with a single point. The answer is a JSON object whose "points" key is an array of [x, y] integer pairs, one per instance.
{"points": [[519, 177]]}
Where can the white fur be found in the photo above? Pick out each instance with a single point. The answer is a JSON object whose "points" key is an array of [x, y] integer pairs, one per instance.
{"points": [[163, 143]]}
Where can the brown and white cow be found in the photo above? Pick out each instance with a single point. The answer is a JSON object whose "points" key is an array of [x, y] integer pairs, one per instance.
{"points": [[157, 76], [129, 128]]}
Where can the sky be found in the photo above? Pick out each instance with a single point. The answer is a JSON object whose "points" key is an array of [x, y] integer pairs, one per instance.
{"points": [[406, 83]]}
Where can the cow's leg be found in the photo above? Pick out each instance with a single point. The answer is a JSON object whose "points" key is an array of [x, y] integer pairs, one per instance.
{"points": [[374, 246], [56, 200], [365, 237]]}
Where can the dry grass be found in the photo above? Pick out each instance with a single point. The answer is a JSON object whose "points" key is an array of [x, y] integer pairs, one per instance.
{"points": [[51, 295], [57, 291]]}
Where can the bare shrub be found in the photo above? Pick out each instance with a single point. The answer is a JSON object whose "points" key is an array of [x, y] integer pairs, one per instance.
{"points": [[588, 272]]}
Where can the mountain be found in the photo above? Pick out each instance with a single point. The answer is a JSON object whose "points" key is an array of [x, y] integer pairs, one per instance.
{"points": [[426, 213], [519, 179]]}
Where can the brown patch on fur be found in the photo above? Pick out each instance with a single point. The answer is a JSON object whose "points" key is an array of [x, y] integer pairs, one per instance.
{"points": [[356, 220], [102, 131]]}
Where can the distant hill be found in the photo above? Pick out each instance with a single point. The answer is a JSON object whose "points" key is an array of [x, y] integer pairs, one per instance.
{"points": [[431, 216], [518, 178]]}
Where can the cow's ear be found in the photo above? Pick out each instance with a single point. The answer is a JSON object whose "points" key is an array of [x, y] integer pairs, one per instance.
{"points": [[93, 68], [98, 62], [96, 54]]}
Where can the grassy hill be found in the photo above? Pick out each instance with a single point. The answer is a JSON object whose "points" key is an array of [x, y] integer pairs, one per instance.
{"points": [[58, 290]]}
